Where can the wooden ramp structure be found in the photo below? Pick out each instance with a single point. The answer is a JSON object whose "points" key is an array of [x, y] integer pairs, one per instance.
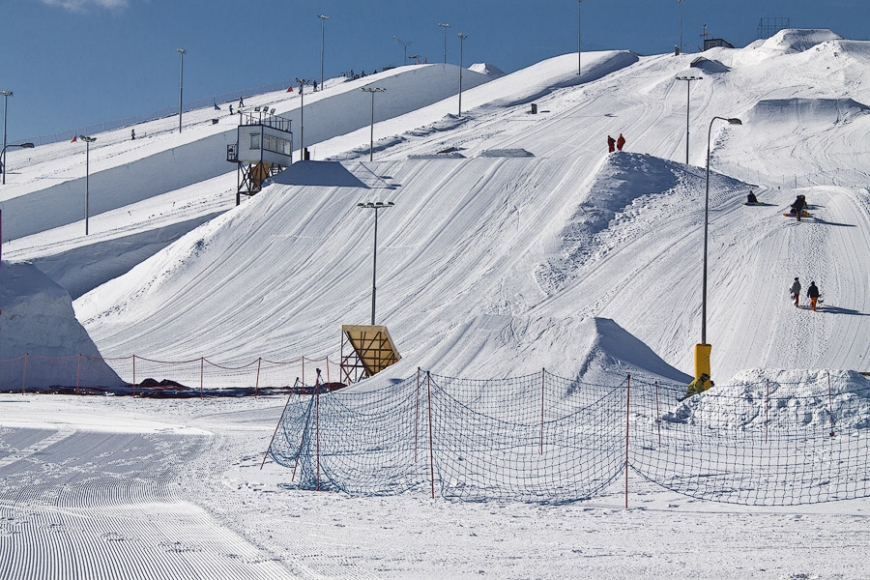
{"points": [[365, 351]]}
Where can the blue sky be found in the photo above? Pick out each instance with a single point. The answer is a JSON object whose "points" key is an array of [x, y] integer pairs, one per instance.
{"points": [[74, 63]]}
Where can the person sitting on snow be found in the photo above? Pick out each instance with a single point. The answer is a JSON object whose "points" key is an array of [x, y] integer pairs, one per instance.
{"points": [[751, 199], [798, 207], [698, 385]]}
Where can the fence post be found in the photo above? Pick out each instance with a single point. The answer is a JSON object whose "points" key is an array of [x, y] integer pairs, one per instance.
{"points": [[78, 373], [257, 381], [431, 453], [134, 375], [417, 417], [24, 376], [767, 410], [627, 418], [201, 372], [317, 425], [831, 405], [658, 416], [543, 378], [272, 440]]}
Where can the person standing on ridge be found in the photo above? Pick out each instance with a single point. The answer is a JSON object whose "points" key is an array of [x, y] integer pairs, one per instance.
{"points": [[813, 294], [796, 290], [620, 142], [611, 144]]}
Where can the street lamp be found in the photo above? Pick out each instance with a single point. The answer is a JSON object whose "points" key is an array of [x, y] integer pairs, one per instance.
{"points": [[182, 52], [323, 19], [461, 38], [702, 351], [579, 52], [445, 26], [6, 95], [372, 91], [405, 45], [688, 80], [302, 83], [375, 205], [88, 140], [3, 155]]}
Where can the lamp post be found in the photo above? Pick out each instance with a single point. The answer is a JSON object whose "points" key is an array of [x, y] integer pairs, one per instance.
{"points": [[445, 26], [375, 205], [462, 37], [688, 80], [702, 351], [88, 140], [182, 52], [6, 95], [405, 45], [372, 91], [323, 19], [3, 155], [302, 83], [579, 45]]}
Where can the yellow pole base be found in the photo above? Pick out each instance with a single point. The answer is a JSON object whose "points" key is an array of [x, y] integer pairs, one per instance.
{"points": [[702, 360]]}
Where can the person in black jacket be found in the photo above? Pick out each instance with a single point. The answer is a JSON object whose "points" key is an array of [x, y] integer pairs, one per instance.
{"points": [[798, 207], [813, 294]]}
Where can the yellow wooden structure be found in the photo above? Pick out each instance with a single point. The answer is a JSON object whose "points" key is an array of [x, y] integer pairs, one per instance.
{"points": [[371, 350]]}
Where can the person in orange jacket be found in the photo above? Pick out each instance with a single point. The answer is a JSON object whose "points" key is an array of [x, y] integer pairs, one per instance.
{"points": [[620, 142]]}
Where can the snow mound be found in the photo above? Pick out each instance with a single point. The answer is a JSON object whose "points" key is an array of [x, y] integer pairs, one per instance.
{"points": [[38, 320], [804, 112], [487, 69], [791, 41]]}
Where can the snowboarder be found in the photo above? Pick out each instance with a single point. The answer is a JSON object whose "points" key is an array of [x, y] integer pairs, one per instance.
{"points": [[813, 294], [798, 207], [698, 386], [751, 199], [231, 109], [795, 290], [611, 144], [620, 142], [132, 134]]}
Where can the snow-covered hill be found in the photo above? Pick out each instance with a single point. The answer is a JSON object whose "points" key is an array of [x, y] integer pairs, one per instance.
{"points": [[515, 237]]}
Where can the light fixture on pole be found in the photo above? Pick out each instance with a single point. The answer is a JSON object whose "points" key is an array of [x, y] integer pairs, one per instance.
{"points": [[182, 52], [688, 80], [405, 46], [702, 351], [302, 83], [375, 205], [3, 155], [372, 91], [445, 26], [6, 95], [88, 140], [579, 45], [462, 37], [323, 19]]}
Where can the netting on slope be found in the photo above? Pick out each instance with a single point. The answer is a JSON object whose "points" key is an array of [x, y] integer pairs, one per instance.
{"points": [[543, 438]]}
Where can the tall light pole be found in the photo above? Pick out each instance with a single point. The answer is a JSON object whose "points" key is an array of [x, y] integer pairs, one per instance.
{"points": [[6, 95], [88, 140], [462, 37], [688, 80], [405, 45], [445, 26], [323, 19], [375, 205], [579, 45], [302, 83], [702, 351], [182, 52], [372, 91], [681, 26], [3, 155]]}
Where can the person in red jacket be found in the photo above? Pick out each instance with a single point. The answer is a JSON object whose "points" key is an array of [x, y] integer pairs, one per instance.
{"points": [[611, 144], [620, 142]]}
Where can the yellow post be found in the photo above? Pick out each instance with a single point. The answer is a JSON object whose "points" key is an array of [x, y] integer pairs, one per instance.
{"points": [[702, 361]]}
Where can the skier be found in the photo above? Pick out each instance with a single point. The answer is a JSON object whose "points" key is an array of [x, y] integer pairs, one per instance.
{"points": [[797, 208], [813, 294], [751, 199], [796, 290], [611, 144], [698, 386], [620, 142]]}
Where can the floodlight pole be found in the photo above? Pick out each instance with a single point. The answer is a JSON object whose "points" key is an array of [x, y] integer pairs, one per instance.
{"points": [[688, 80], [302, 83], [88, 140], [445, 26], [6, 95], [3, 154], [462, 37], [323, 19], [579, 45], [732, 121], [181, 52], [372, 91], [405, 46], [376, 205]]}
